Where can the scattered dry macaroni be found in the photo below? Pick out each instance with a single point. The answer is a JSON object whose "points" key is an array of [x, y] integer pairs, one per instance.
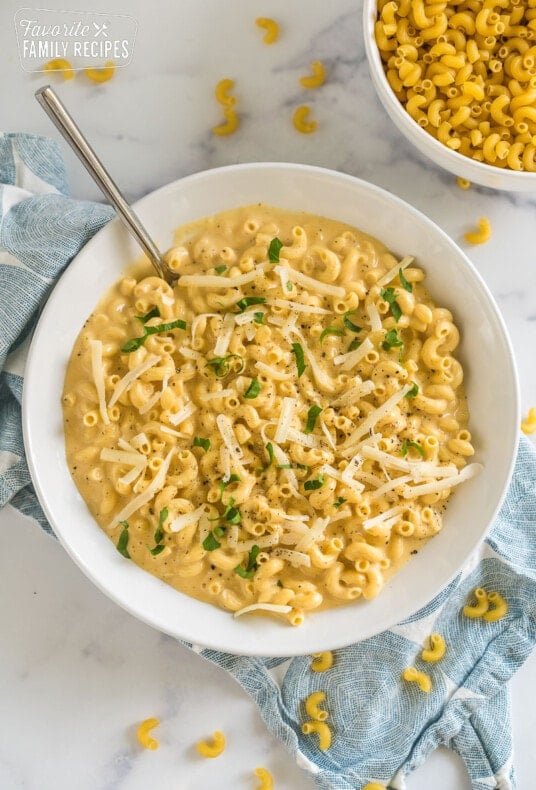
{"points": [[301, 122], [62, 66], [221, 92], [213, 749], [437, 649], [322, 730], [424, 681], [317, 76], [312, 706], [271, 27], [279, 431], [231, 123], [322, 661], [480, 608], [267, 780], [374, 786], [500, 609], [482, 235], [528, 425], [101, 75], [465, 71], [143, 734], [463, 183]]}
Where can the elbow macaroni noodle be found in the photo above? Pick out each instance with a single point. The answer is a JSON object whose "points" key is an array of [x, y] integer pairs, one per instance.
{"points": [[528, 425], [266, 779], [465, 71], [482, 235], [317, 76], [423, 681], [101, 75], [214, 748], [300, 119], [436, 651], [322, 661], [143, 734], [221, 92], [274, 436], [61, 65], [271, 27]]}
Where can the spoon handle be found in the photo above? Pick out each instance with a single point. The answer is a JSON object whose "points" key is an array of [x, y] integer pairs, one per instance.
{"points": [[61, 118]]}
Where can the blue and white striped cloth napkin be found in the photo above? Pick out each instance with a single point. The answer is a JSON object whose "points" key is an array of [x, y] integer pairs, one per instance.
{"points": [[382, 728]]}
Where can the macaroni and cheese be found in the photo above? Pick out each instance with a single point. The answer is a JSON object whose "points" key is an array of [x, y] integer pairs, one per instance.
{"points": [[280, 430]]}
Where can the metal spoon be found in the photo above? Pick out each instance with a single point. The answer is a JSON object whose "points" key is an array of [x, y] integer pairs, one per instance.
{"points": [[59, 116]]}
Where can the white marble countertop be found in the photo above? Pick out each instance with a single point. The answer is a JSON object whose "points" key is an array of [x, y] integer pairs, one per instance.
{"points": [[77, 673]]}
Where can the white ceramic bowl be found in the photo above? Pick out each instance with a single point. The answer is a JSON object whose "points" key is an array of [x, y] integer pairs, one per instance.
{"points": [[485, 352], [478, 172]]}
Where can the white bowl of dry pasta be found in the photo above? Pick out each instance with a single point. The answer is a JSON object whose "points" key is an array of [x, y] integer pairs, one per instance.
{"points": [[459, 82], [264, 445]]}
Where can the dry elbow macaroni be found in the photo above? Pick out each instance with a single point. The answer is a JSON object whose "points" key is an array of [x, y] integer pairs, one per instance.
{"points": [[436, 651], [279, 431], [423, 681], [482, 607], [312, 706], [322, 661], [317, 76], [300, 119], [322, 729], [466, 73], [213, 748], [271, 27], [143, 734], [266, 779], [101, 75], [482, 235], [528, 425], [61, 65], [228, 102]]}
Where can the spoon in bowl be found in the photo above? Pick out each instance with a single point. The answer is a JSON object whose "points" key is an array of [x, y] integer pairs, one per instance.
{"points": [[64, 122]]}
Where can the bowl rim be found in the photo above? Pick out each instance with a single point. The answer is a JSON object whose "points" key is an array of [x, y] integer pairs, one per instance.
{"points": [[319, 642], [436, 151]]}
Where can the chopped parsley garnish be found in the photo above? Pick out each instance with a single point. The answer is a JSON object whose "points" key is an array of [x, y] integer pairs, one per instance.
{"points": [[293, 466], [353, 345], [231, 514], [413, 391], [312, 414], [199, 442], [247, 301], [270, 451], [122, 543], [289, 286], [249, 571], [154, 313], [158, 549], [406, 444], [136, 342], [312, 485], [279, 583], [300, 358], [391, 340], [211, 542], [220, 269], [349, 324], [253, 389], [331, 330], [389, 296], [221, 365], [273, 250], [339, 501], [258, 318], [224, 483], [403, 282], [159, 534]]}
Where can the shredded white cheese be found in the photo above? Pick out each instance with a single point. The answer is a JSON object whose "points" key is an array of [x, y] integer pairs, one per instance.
{"points": [[186, 519], [374, 317], [376, 415], [351, 358], [206, 396], [354, 393], [299, 307], [394, 483], [262, 543], [379, 519], [155, 485], [225, 335], [214, 281], [183, 414], [130, 377], [295, 558], [410, 492], [98, 378], [189, 353], [322, 379], [276, 375], [317, 286], [392, 273], [267, 607], [305, 439], [225, 427], [285, 418], [122, 457], [315, 534]]}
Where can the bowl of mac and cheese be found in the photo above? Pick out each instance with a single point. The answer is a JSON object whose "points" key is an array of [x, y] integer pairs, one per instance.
{"points": [[296, 445], [459, 82]]}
